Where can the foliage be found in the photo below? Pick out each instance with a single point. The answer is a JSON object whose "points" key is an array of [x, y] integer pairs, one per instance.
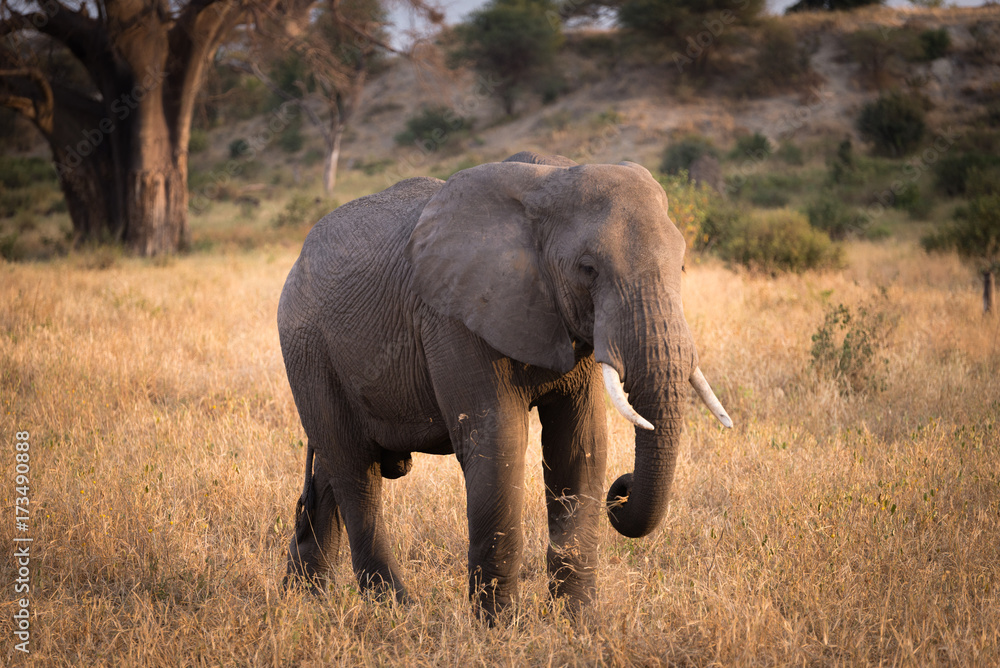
{"points": [[510, 40], [910, 198], [19, 172], [768, 190], [974, 233], [847, 347], [433, 128], [198, 142], [290, 139], [771, 241], [780, 63], [755, 146], [952, 172], [238, 148], [680, 155], [790, 153], [689, 204], [830, 214], [935, 43], [302, 209], [830, 5], [882, 54], [688, 27], [894, 123]]}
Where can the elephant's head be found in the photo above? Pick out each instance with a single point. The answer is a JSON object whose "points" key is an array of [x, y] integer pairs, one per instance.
{"points": [[534, 257]]}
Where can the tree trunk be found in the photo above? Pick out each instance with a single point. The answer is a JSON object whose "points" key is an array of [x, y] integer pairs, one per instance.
{"points": [[332, 158], [989, 291]]}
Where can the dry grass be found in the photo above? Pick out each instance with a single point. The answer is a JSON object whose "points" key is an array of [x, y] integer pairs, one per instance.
{"points": [[824, 529]]}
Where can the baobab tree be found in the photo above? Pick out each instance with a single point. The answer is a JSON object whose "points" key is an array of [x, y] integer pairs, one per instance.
{"points": [[111, 85]]}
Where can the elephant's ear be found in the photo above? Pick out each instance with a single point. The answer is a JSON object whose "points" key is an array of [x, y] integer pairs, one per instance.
{"points": [[475, 258]]}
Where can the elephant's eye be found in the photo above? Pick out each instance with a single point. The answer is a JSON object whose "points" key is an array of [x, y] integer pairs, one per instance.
{"points": [[589, 271]]}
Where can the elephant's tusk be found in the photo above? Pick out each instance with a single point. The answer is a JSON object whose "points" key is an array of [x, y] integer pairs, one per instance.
{"points": [[706, 394], [613, 383]]}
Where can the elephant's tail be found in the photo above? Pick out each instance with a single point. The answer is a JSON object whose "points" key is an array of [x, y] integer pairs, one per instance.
{"points": [[306, 499]]}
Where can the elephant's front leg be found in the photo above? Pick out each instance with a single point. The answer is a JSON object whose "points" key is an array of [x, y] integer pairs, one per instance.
{"points": [[493, 443], [574, 445]]}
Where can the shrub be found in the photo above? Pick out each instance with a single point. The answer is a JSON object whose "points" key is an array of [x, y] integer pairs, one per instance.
{"points": [[935, 43], [911, 200], [763, 190], [291, 140], [755, 146], [238, 148], [432, 128], [829, 214], [17, 172], [781, 61], [681, 155], [952, 171], [894, 123], [847, 346], [974, 233], [689, 205], [198, 142], [777, 240], [303, 210], [790, 153]]}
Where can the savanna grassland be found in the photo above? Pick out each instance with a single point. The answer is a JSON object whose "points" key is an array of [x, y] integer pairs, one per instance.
{"points": [[851, 517]]}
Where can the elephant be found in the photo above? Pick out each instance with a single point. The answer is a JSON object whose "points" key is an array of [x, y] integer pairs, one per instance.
{"points": [[434, 315]]}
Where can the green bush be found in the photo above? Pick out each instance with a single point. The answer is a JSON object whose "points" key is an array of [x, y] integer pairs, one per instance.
{"points": [[769, 191], [839, 221], [894, 123], [432, 128], [198, 142], [681, 155], [790, 153], [776, 240], [952, 171], [781, 61], [303, 210], [935, 43], [847, 347], [238, 148], [974, 233], [755, 146], [689, 203], [290, 139], [17, 172], [911, 199]]}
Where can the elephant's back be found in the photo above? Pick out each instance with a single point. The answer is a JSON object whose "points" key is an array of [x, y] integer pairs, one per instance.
{"points": [[350, 292]]}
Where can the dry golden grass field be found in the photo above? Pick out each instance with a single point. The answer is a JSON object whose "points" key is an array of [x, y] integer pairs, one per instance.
{"points": [[851, 520]]}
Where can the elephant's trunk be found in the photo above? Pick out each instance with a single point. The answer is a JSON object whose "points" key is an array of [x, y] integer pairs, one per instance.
{"points": [[637, 501], [652, 344]]}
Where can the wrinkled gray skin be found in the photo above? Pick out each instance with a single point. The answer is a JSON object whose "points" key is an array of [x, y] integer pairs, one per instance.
{"points": [[431, 317]]}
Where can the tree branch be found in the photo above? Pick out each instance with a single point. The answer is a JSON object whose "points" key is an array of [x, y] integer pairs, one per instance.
{"points": [[38, 110]]}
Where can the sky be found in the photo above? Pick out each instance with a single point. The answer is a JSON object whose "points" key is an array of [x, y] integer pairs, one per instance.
{"points": [[456, 10]]}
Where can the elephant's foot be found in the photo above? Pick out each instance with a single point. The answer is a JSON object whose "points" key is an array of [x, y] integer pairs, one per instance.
{"points": [[493, 600], [395, 464], [376, 588]]}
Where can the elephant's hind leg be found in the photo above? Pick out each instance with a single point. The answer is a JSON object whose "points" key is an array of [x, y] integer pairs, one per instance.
{"points": [[314, 548]]}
